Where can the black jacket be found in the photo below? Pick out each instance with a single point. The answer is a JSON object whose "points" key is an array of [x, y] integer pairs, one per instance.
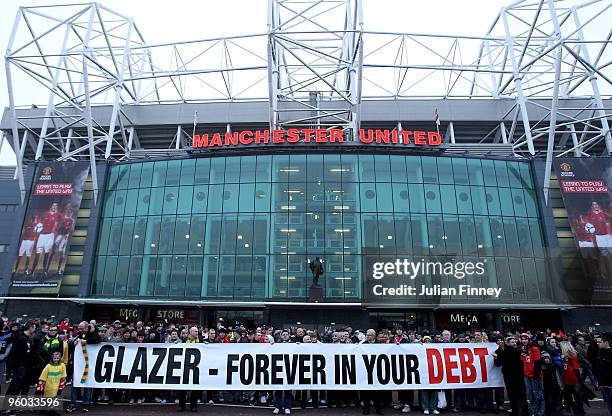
{"points": [[25, 352], [604, 367], [509, 359]]}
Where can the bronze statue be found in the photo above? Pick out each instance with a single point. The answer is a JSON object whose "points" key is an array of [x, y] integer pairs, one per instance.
{"points": [[316, 268]]}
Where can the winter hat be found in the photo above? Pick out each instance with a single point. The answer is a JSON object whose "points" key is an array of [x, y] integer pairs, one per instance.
{"points": [[544, 354]]}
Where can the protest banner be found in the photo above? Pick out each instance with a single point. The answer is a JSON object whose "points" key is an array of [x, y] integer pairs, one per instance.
{"points": [[286, 366]]}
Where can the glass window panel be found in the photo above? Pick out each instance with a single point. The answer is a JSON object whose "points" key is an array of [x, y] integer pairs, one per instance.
{"points": [[166, 240], [146, 175], [475, 172], [229, 234], [193, 279], [497, 236], [445, 170], [432, 198], [368, 197], [211, 276], [264, 169], [127, 235], [492, 197], [197, 234], [151, 244], [315, 232], [217, 169], [531, 205], [369, 228], [366, 168], [469, 243], [230, 198], [281, 168], [435, 228], [333, 197], [104, 236], [185, 199], [170, 200], [400, 198], [349, 168], [258, 275], [281, 198], [242, 287], [119, 205], [248, 169], [199, 202], [246, 201], [162, 276], [531, 279], [384, 197], [156, 201], [144, 197], [414, 169], [333, 168], [232, 169], [536, 238], [109, 203], [297, 168], [512, 240], [519, 202], [182, 234], [260, 234], [244, 238], [140, 232], [115, 236], [109, 275], [403, 234], [464, 199], [420, 239], [452, 235], [177, 278], [386, 232], [98, 277], [131, 202], [483, 236], [430, 170], [398, 169], [479, 200], [460, 171], [135, 169], [526, 179], [113, 174], [262, 197], [524, 237], [227, 274], [382, 168], [502, 273], [517, 277], [315, 194], [147, 277], [543, 279], [202, 172], [173, 173], [215, 200], [296, 277], [448, 199], [505, 199], [159, 174], [123, 176], [488, 171], [416, 196], [134, 275], [501, 172], [514, 175], [123, 269], [188, 170]]}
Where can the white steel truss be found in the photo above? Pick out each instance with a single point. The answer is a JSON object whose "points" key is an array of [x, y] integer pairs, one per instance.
{"points": [[315, 66]]}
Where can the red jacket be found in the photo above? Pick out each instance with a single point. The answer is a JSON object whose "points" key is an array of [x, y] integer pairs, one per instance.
{"points": [[570, 367], [531, 362]]}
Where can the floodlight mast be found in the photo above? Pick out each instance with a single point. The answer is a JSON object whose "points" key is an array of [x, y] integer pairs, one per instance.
{"points": [[319, 66]]}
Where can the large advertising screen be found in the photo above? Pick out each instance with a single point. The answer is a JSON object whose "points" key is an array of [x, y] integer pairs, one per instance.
{"points": [[49, 222], [585, 185]]}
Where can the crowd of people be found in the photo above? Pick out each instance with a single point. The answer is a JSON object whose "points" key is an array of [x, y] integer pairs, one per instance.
{"points": [[545, 373]]}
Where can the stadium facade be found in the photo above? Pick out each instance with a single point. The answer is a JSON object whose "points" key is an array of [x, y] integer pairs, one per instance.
{"points": [[197, 206]]}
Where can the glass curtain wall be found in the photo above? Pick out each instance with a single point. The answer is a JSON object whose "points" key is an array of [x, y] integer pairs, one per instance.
{"points": [[245, 227]]}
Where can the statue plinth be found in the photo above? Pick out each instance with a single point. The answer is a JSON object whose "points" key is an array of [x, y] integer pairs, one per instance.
{"points": [[315, 294]]}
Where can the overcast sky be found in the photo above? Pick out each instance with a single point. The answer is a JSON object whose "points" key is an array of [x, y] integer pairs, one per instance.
{"points": [[166, 21]]}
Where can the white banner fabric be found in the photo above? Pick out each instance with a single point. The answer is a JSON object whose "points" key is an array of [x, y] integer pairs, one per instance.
{"points": [[286, 366]]}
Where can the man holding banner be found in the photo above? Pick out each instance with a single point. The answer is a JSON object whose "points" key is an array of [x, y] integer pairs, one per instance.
{"points": [[195, 395]]}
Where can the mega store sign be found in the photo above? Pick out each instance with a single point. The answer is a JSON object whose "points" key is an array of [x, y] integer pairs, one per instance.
{"points": [[413, 138]]}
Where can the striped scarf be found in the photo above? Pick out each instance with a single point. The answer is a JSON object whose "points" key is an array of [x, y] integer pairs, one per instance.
{"points": [[50, 343]]}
